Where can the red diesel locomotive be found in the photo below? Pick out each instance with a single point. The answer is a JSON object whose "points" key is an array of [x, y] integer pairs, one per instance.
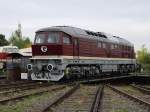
{"points": [[64, 51]]}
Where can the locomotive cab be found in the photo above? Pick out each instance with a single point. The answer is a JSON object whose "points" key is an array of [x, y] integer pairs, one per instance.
{"points": [[48, 52], [52, 44]]}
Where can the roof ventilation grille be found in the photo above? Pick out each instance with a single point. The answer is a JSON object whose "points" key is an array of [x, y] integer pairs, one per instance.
{"points": [[98, 34]]}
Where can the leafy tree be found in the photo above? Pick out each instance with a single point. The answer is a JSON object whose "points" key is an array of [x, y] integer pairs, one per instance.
{"points": [[143, 56], [3, 41], [16, 39]]}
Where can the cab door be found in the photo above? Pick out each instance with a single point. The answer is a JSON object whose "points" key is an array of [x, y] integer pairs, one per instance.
{"points": [[76, 48]]}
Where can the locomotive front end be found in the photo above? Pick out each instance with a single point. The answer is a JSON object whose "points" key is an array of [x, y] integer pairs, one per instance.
{"points": [[46, 63], [45, 69]]}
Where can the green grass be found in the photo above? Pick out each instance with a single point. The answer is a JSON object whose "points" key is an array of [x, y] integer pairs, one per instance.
{"points": [[26, 103], [122, 110], [21, 105]]}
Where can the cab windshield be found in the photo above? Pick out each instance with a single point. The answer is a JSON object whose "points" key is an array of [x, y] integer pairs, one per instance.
{"points": [[40, 38], [51, 37]]}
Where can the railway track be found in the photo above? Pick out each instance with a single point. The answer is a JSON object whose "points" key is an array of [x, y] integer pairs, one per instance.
{"points": [[141, 88], [96, 105], [113, 101], [147, 87], [27, 94], [89, 98], [134, 97], [7, 83], [22, 88], [77, 98]]}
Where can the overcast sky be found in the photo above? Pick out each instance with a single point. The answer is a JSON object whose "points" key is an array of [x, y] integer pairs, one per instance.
{"points": [[129, 19]]}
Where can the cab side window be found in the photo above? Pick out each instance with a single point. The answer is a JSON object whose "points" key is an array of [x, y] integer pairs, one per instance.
{"points": [[66, 39]]}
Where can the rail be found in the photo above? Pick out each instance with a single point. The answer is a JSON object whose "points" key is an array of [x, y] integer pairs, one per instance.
{"points": [[142, 89], [129, 96], [62, 97], [97, 100], [30, 94]]}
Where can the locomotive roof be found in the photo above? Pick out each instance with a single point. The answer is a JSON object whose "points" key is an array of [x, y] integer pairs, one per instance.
{"points": [[78, 32]]}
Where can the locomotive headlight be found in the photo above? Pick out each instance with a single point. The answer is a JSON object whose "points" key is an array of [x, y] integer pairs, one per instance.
{"points": [[29, 67], [49, 67]]}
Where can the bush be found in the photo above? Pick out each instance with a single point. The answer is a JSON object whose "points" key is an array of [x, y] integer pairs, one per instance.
{"points": [[146, 67], [1, 72]]}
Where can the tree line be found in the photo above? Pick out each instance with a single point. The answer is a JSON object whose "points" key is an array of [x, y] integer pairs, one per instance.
{"points": [[16, 39]]}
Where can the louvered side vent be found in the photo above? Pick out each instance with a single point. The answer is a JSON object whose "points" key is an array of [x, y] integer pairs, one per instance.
{"points": [[116, 36], [98, 34], [101, 35]]}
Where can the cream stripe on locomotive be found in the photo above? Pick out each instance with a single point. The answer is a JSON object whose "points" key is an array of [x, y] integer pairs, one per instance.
{"points": [[79, 57]]}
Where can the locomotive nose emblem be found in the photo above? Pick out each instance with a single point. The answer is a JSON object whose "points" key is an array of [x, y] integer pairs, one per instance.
{"points": [[43, 48]]}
